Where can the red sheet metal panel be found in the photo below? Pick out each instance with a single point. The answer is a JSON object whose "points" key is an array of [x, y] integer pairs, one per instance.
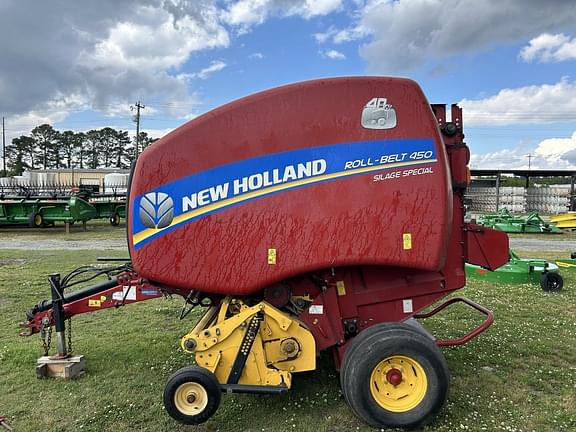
{"points": [[328, 173]]}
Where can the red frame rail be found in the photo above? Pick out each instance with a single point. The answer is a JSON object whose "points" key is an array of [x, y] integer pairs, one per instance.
{"points": [[471, 334]]}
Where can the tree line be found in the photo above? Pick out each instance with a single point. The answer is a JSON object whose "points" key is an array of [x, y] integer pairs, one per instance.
{"points": [[48, 148]]}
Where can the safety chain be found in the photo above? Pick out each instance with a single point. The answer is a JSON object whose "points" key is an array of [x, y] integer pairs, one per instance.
{"points": [[46, 337], [69, 335], [46, 342]]}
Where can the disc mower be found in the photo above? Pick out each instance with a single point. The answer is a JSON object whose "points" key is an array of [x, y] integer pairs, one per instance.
{"points": [[323, 215]]}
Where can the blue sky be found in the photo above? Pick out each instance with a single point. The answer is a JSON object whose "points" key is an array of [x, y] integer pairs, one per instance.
{"points": [[511, 64]]}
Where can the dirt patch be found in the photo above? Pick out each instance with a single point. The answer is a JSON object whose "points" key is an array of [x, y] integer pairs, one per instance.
{"points": [[12, 262], [110, 244]]}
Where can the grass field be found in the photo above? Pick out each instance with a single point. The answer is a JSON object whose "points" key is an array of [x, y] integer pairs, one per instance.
{"points": [[518, 376]]}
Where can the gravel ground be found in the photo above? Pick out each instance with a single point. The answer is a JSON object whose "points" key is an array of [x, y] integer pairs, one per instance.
{"points": [[111, 244], [527, 244]]}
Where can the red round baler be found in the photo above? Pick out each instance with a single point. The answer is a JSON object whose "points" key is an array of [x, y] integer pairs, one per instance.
{"points": [[320, 215]]}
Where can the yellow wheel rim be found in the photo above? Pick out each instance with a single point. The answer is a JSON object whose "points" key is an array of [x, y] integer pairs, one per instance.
{"points": [[398, 383], [191, 398], [38, 220]]}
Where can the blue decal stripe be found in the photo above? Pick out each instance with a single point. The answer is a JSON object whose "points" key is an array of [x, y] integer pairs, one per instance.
{"points": [[142, 237]]}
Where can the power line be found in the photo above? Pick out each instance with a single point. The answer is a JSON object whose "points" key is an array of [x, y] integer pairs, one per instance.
{"points": [[138, 106]]}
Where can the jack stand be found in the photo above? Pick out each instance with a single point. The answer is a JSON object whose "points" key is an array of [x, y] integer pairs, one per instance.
{"points": [[63, 365]]}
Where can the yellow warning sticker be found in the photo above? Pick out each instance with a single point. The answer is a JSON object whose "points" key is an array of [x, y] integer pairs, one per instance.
{"points": [[341, 288], [94, 303], [407, 241], [272, 256]]}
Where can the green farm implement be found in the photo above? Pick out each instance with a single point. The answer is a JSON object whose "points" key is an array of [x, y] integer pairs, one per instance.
{"points": [[509, 223], [44, 211], [38, 212], [113, 210], [521, 270]]}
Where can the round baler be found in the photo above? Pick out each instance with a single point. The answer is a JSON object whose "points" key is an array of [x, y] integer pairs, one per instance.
{"points": [[324, 215]]}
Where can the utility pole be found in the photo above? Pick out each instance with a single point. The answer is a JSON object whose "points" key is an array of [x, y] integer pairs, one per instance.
{"points": [[137, 107], [529, 156], [3, 149]]}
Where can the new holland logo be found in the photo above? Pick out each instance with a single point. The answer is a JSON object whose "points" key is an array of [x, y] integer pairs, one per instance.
{"points": [[156, 210]]}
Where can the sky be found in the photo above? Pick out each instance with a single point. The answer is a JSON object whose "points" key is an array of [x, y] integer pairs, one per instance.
{"points": [[511, 64]]}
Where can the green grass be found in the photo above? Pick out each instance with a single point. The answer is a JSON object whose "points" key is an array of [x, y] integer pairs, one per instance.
{"points": [[518, 376]]}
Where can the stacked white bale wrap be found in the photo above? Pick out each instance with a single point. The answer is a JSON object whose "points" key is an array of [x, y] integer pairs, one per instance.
{"points": [[544, 200]]}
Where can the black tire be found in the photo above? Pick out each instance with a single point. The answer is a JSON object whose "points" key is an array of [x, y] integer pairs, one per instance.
{"points": [[114, 219], [551, 282], [399, 342], [185, 382], [357, 343], [35, 220]]}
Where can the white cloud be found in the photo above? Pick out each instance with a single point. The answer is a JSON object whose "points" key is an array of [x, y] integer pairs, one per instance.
{"points": [[144, 45], [215, 66], [245, 13], [547, 103], [324, 37], [501, 159], [110, 53], [405, 34], [558, 151], [551, 153], [549, 48], [256, 56], [333, 54], [340, 36]]}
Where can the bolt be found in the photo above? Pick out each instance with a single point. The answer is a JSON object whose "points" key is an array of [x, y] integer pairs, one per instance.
{"points": [[190, 344]]}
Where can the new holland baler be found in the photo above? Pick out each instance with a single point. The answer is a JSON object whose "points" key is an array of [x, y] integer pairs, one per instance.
{"points": [[324, 215]]}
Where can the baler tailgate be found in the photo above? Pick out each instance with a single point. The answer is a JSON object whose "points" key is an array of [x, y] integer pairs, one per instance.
{"points": [[486, 247]]}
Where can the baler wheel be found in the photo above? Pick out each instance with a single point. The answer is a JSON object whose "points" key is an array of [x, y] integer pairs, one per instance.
{"points": [[394, 376], [551, 282], [192, 395]]}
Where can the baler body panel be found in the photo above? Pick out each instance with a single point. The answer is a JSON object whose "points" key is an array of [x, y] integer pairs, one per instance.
{"points": [[288, 181]]}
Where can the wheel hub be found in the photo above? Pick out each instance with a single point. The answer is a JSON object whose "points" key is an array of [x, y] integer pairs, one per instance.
{"points": [[394, 377], [398, 383], [191, 398]]}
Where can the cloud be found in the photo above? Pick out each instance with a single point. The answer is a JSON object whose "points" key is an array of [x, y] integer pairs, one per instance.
{"points": [[558, 151], [547, 103], [405, 34], [214, 67], [551, 153], [333, 54], [256, 56], [549, 48], [245, 13], [340, 36], [105, 53]]}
